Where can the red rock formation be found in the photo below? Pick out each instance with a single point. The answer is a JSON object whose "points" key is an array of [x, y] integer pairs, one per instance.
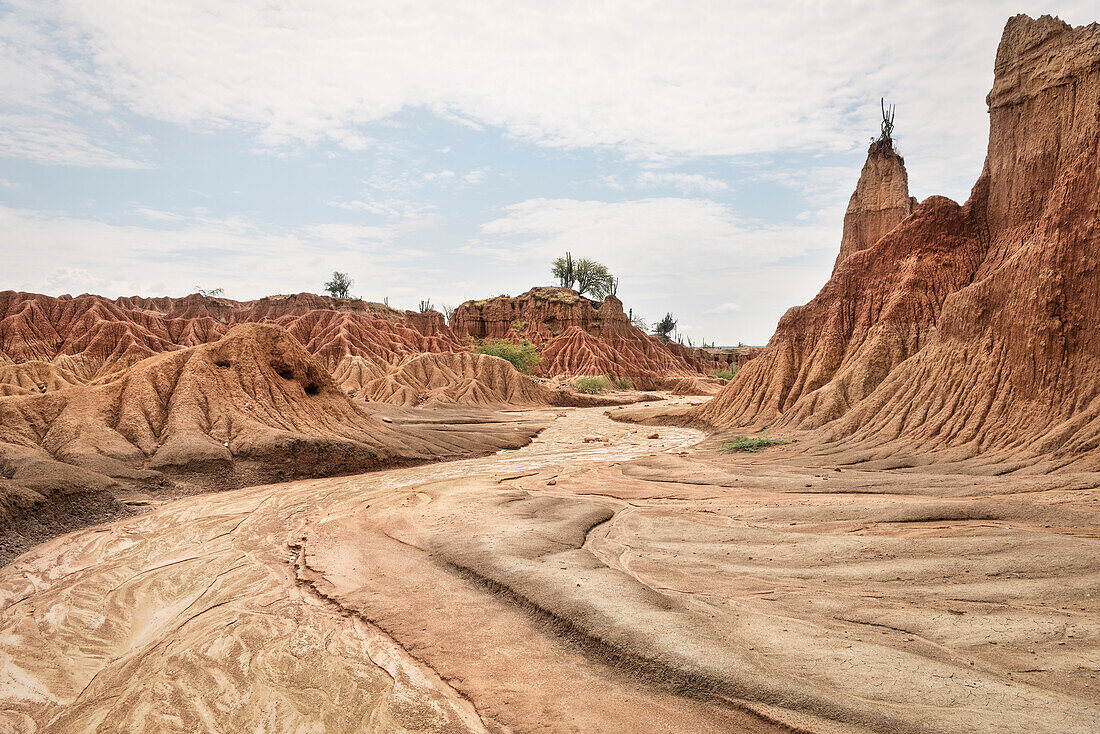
{"points": [[966, 328], [879, 203], [333, 335], [537, 316], [104, 336], [647, 362], [252, 407], [352, 373], [577, 337]]}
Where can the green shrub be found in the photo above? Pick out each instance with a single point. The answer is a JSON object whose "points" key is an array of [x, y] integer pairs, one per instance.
{"points": [[749, 444], [620, 383], [522, 356], [726, 374], [592, 385]]}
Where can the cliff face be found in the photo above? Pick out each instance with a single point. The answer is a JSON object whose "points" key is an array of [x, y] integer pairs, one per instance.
{"points": [[970, 329], [879, 203], [538, 316]]}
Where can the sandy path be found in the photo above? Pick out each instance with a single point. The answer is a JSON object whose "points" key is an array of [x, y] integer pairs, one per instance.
{"points": [[570, 586]]}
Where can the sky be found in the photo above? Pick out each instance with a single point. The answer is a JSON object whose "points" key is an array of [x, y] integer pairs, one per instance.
{"points": [[704, 151]]}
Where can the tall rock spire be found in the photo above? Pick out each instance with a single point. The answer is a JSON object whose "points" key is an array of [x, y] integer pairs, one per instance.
{"points": [[879, 203]]}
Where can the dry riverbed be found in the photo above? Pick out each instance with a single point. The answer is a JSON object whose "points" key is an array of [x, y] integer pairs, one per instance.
{"points": [[627, 584]]}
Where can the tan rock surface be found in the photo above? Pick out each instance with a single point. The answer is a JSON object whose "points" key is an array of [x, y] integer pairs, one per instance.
{"points": [[641, 590]]}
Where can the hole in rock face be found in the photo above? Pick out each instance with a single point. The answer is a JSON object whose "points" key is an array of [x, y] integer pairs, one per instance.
{"points": [[312, 389], [221, 363], [283, 371]]}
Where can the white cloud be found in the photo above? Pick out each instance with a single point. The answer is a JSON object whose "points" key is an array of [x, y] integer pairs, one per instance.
{"points": [[668, 232], [47, 139], [58, 254], [477, 176], [394, 208], [654, 80], [158, 215], [687, 183], [611, 181], [822, 186], [8, 184], [676, 254]]}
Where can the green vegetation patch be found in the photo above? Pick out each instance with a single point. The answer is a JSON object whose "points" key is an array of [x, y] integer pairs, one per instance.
{"points": [[750, 444], [725, 374], [592, 385], [620, 383], [523, 356]]}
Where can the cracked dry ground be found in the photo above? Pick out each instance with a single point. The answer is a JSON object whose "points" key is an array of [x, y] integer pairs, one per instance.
{"points": [[638, 585]]}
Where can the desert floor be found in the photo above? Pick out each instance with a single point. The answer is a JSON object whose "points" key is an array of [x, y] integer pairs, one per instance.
{"points": [[634, 585]]}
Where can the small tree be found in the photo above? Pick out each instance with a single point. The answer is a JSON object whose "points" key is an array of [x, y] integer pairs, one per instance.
{"points": [[563, 271], [665, 327], [637, 321], [340, 285], [588, 275], [425, 306], [592, 277], [209, 293], [448, 312]]}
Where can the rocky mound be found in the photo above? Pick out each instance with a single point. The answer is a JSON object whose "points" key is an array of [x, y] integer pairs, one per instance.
{"points": [[459, 379], [352, 373], [537, 316], [99, 335], [577, 336], [333, 335], [92, 337], [973, 328], [28, 378], [647, 362], [252, 407]]}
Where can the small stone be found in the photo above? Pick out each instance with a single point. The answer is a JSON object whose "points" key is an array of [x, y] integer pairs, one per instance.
{"points": [[387, 420], [552, 482], [654, 435]]}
